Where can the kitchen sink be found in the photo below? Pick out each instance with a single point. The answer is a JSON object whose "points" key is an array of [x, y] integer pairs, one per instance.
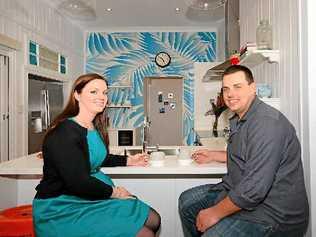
{"points": [[170, 151], [167, 151], [132, 151]]}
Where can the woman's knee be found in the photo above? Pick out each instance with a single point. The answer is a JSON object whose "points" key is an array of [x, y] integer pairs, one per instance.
{"points": [[157, 220], [145, 232], [153, 221]]}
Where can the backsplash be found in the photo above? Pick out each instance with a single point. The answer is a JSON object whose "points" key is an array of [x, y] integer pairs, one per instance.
{"points": [[126, 58]]}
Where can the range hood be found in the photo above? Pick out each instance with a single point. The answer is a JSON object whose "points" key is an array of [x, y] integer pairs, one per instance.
{"points": [[232, 40], [215, 73]]}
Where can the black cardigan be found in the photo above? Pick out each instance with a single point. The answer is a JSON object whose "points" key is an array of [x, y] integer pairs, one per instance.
{"points": [[66, 167]]}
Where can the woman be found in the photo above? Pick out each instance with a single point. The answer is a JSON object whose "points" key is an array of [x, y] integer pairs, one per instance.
{"points": [[75, 198]]}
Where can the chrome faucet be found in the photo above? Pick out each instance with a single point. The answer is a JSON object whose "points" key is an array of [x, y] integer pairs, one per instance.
{"points": [[146, 125], [197, 140]]}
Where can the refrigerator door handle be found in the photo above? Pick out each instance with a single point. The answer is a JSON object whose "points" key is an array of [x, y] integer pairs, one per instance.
{"points": [[45, 114], [43, 109], [48, 108]]}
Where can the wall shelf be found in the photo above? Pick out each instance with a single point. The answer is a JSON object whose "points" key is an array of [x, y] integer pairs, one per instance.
{"points": [[119, 106], [252, 58], [120, 86], [274, 102]]}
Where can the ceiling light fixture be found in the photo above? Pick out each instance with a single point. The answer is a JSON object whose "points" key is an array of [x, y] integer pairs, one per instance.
{"points": [[71, 5], [78, 9], [109, 9], [205, 5]]}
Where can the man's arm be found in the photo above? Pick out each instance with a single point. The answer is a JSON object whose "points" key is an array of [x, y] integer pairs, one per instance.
{"points": [[210, 216], [205, 156]]}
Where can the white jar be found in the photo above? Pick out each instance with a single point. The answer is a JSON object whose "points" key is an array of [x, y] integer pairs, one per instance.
{"points": [[264, 35]]}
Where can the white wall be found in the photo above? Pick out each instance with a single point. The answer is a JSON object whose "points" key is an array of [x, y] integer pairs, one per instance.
{"points": [[204, 91], [288, 19], [35, 20], [284, 77], [308, 19]]}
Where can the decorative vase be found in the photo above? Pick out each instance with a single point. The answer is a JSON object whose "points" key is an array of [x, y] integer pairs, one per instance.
{"points": [[264, 35]]}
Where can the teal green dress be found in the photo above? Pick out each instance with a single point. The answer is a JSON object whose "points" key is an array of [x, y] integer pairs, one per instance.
{"points": [[71, 216]]}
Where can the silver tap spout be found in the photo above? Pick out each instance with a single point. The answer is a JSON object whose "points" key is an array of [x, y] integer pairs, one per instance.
{"points": [[146, 125], [197, 140]]}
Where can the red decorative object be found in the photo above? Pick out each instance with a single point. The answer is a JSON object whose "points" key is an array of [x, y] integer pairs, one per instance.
{"points": [[16, 222], [234, 59]]}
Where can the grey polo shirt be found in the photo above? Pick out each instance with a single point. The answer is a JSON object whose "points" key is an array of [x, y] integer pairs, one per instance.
{"points": [[265, 175]]}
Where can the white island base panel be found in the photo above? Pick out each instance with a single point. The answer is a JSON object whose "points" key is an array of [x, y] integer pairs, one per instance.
{"points": [[162, 195], [160, 187]]}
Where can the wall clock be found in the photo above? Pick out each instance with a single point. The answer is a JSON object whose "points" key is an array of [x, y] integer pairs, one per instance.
{"points": [[162, 59]]}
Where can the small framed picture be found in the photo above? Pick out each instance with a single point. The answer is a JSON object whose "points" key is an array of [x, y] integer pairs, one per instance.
{"points": [[162, 110]]}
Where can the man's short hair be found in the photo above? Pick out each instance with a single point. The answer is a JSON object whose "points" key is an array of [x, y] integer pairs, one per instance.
{"points": [[239, 68]]}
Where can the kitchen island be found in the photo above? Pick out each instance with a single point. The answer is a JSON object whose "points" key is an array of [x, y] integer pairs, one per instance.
{"points": [[158, 186]]}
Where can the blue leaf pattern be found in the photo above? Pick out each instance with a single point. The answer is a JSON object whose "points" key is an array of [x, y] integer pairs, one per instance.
{"points": [[126, 58]]}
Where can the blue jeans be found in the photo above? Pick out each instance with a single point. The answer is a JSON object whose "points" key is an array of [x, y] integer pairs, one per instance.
{"points": [[201, 197]]}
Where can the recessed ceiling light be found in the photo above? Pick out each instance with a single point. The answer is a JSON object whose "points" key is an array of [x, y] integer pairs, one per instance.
{"points": [[109, 9], [71, 5], [177, 9]]}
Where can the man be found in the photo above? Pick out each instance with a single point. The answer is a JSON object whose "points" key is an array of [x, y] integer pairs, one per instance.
{"points": [[263, 193]]}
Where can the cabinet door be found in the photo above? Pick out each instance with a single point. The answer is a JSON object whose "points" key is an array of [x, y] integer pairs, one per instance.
{"points": [[4, 108]]}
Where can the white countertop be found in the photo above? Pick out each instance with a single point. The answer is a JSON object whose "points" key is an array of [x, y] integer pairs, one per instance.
{"points": [[26, 165], [32, 165], [170, 166]]}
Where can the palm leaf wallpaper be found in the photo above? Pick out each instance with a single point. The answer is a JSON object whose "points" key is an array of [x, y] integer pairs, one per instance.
{"points": [[126, 58]]}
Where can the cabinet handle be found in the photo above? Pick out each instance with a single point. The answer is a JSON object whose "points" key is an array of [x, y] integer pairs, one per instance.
{"points": [[5, 116]]}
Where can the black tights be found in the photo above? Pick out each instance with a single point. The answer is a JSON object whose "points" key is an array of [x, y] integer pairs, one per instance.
{"points": [[151, 225]]}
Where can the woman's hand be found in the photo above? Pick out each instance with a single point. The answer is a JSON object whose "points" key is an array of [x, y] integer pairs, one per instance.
{"points": [[140, 159], [121, 193], [206, 156]]}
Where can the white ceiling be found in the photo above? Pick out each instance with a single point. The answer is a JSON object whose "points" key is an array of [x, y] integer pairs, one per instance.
{"points": [[142, 14]]}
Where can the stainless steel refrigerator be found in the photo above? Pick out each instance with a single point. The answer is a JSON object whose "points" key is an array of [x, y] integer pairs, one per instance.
{"points": [[163, 107], [45, 102]]}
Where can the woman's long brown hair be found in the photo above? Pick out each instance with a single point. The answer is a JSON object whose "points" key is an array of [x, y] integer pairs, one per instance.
{"points": [[72, 108]]}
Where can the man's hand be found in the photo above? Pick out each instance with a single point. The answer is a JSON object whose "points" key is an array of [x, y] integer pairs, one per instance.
{"points": [[210, 216], [204, 156], [206, 219]]}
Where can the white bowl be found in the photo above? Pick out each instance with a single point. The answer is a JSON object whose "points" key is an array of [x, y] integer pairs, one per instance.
{"points": [[156, 163], [157, 155], [185, 161]]}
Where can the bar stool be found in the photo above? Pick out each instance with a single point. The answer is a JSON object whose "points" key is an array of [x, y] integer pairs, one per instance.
{"points": [[17, 222]]}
